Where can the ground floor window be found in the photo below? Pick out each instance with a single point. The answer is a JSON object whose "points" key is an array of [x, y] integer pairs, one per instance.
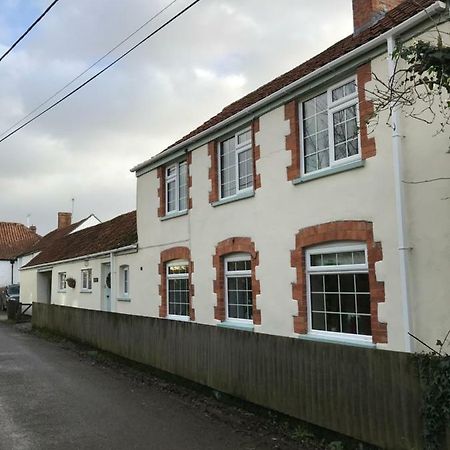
{"points": [[86, 279], [238, 284], [62, 284], [338, 290], [178, 288]]}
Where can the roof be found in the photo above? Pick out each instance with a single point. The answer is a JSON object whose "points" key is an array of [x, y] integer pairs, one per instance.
{"points": [[115, 233], [392, 18], [15, 238]]}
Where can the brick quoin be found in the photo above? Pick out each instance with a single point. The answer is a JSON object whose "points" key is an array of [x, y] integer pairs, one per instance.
{"points": [[172, 254], [366, 109], [293, 139], [213, 173], [360, 231], [161, 175], [225, 248]]}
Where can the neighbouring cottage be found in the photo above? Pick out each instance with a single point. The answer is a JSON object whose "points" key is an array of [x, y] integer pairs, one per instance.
{"points": [[86, 264], [282, 214], [15, 239]]}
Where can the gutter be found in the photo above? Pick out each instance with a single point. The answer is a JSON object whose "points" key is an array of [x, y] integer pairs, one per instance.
{"points": [[436, 7], [80, 258]]}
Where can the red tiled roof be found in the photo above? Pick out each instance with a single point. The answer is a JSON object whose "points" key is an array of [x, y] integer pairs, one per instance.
{"points": [[15, 238], [392, 18], [115, 233]]}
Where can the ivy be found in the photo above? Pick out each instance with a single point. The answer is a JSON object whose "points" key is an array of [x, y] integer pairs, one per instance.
{"points": [[434, 372]]}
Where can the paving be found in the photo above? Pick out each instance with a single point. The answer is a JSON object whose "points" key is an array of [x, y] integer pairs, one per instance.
{"points": [[51, 397]]}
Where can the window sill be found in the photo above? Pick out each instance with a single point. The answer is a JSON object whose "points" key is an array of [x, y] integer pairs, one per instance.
{"points": [[236, 325], [86, 291], [173, 215], [61, 291], [179, 318], [329, 171], [233, 198], [332, 340], [123, 299]]}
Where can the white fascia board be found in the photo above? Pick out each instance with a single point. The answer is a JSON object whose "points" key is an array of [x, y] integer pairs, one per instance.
{"points": [[332, 66]]}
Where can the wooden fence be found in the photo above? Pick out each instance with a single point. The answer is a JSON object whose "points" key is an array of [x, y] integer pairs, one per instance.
{"points": [[372, 395]]}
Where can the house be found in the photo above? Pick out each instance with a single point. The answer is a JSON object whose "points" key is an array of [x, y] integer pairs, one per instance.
{"points": [[84, 265], [283, 214], [15, 238]]}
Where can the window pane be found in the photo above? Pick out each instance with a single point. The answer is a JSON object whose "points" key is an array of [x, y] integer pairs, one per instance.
{"points": [[364, 325], [348, 303], [310, 126], [321, 102], [227, 168], [318, 321], [317, 302], [316, 260], [333, 322], [345, 133], [183, 188], [239, 265], [244, 137], [331, 283], [340, 152], [363, 303], [329, 259], [310, 163], [178, 296], [245, 169], [309, 108], [362, 282], [310, 145], [359, 257], [338, 93], [345, 258], [181, 268], [239, 290], [347, 282], [332, 302], [323, 159], [316, 283], [322, 140], [322, 122], [171, 196], [349, 323]]}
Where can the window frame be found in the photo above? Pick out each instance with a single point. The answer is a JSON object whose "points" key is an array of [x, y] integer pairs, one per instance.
{"points": [[332, 107], [238, 149], [175, 178], [88, 287], [62, 281], [336, 269], [237, 274], [184, 276]]}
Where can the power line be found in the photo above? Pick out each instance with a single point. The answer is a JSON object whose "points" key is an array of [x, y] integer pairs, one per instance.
{"points": [[103, 70], [89, 68], [29, 28]]}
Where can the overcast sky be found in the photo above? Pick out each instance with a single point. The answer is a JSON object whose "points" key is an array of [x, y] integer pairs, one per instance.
{"points": [[212, 55]]}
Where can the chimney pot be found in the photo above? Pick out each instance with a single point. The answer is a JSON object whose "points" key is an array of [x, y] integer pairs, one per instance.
{"points": [[64, 219], [367, 12], [33, 228]]}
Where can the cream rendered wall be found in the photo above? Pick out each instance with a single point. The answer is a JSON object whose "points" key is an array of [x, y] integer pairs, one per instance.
{"points": [[5, 273], [271, 219]]}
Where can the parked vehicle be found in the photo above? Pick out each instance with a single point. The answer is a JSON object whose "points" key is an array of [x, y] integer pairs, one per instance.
{"points": [[13, 292]]}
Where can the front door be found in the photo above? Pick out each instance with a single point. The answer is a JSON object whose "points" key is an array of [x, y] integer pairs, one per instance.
{"points": [[106, 287]]}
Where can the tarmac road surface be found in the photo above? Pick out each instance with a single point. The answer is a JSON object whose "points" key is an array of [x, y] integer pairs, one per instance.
{"points": [[50, 398]]}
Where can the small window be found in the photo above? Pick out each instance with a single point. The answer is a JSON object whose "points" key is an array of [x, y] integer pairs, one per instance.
{"points": [[62, 284], [178, 288], [86, 279], [338, 291], [330, 128], [177, 187], [236, 164], [124, 281], [238, 285]]}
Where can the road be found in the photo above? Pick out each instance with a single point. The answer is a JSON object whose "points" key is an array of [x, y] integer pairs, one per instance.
{"points": [[53, 398]]}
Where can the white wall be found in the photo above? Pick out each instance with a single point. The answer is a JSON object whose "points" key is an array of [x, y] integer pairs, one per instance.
{"points": [[5, 273]]}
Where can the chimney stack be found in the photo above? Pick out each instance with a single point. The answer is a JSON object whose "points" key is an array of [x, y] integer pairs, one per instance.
{"points": [[33, 228], [367, 12], [64, 219]]}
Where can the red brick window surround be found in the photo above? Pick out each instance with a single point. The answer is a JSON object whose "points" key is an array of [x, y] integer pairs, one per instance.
{"points": [[334, 232], [213, 173], [161, 173], [294, 140], [167, 256], [228, 247]]}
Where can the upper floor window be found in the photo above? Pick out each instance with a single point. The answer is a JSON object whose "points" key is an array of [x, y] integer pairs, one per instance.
{"points": [[62, 283], [178, 290], [86, 279], [338, 290], [236, 164], [238, 287], [330, 127], [176, 187]]}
